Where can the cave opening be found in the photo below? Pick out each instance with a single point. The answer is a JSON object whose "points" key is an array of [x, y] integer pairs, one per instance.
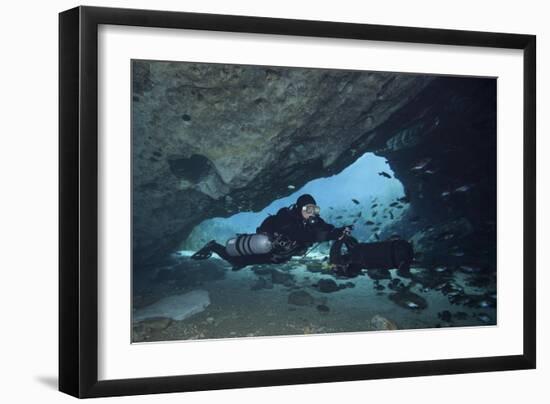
{"points": [[365, 194]]}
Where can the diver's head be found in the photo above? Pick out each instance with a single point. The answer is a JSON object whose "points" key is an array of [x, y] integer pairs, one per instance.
{"points": [[307, 207]]}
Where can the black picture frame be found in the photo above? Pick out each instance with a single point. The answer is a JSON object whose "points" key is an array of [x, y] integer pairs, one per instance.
{"points": [[78, 200]]}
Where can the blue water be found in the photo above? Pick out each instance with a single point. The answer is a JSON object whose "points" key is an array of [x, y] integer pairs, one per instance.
{"points": [[360, 181]]}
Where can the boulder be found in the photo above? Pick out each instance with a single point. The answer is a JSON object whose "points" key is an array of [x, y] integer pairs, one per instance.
{"points": [[379, 322], [300, 298], [176, 307]]}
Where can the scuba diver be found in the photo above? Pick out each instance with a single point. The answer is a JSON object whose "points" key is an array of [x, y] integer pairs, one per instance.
{"points": [[291, 232], [384, 255]]}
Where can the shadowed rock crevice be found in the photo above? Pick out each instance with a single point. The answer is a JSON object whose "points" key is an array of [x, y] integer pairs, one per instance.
{"points": [[192, 169]]}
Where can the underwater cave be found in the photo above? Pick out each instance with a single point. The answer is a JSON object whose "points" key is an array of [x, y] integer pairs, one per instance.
{"points": [[437, 134], [411, 156]]}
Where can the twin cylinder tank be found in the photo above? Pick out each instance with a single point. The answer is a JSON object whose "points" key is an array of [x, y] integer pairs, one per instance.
{"points": [[248, 244]]}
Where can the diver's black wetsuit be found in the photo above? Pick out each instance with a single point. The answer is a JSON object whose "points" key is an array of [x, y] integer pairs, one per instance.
{"points": [[288, 223], [382, 255]]}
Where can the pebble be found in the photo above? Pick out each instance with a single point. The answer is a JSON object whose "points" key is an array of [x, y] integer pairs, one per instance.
{"points": [[484, 318], [445, 315], [300, 298], [323, 308], [158, 323], [379, 322]]}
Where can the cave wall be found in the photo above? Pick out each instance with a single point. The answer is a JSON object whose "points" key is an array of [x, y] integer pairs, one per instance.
{"points": [[212, 140], [442, 146]]}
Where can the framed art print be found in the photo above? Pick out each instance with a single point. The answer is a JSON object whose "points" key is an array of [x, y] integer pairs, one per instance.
{"points": [[250, 201]]}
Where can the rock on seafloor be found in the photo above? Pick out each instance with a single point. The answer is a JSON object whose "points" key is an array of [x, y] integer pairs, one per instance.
{"points": [[300, 298], [176, 307], [379, 322], [156, 323]]}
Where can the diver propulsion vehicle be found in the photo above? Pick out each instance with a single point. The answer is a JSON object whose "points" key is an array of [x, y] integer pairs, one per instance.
{"points": [[383, 254], [249, 244], [379, 255]]}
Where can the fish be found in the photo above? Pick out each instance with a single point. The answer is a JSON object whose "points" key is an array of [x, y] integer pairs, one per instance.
{"points": [[338, 217], [360, 214], [403, 199], [445, 315], [445, 236], [291, 187], [484, 318], [469, 269], [391, 215], [376, 229], [374, 206], [430, 172], [440, 269], [412, 305], [374, 214], [369, 222], [355, 201], [484, 304], [457, 253], [445, 194], [330, 207], [377, 236], [384, 174], [463, 188], [394, 204], [421, 164], [440, 286]]}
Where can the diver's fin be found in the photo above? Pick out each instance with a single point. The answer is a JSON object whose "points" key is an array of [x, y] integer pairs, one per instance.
{"points": [[205, 252]]}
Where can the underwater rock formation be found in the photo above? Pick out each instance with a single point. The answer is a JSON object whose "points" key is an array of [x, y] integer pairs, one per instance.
{"points": [[211, 140], [379, 322], [177, 307], [300, 298]]}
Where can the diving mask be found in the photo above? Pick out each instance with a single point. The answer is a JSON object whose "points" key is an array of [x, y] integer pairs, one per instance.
{"points": [[311, 209]]}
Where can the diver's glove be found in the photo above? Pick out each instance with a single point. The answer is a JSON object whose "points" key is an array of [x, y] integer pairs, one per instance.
{"points": [[345, 231]]}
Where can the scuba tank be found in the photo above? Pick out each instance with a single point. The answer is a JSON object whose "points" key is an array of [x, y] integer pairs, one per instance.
{"points": [[249, 244]]}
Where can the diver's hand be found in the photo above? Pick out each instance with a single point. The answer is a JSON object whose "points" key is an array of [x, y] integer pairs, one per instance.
{"points": [[346, 231]]}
